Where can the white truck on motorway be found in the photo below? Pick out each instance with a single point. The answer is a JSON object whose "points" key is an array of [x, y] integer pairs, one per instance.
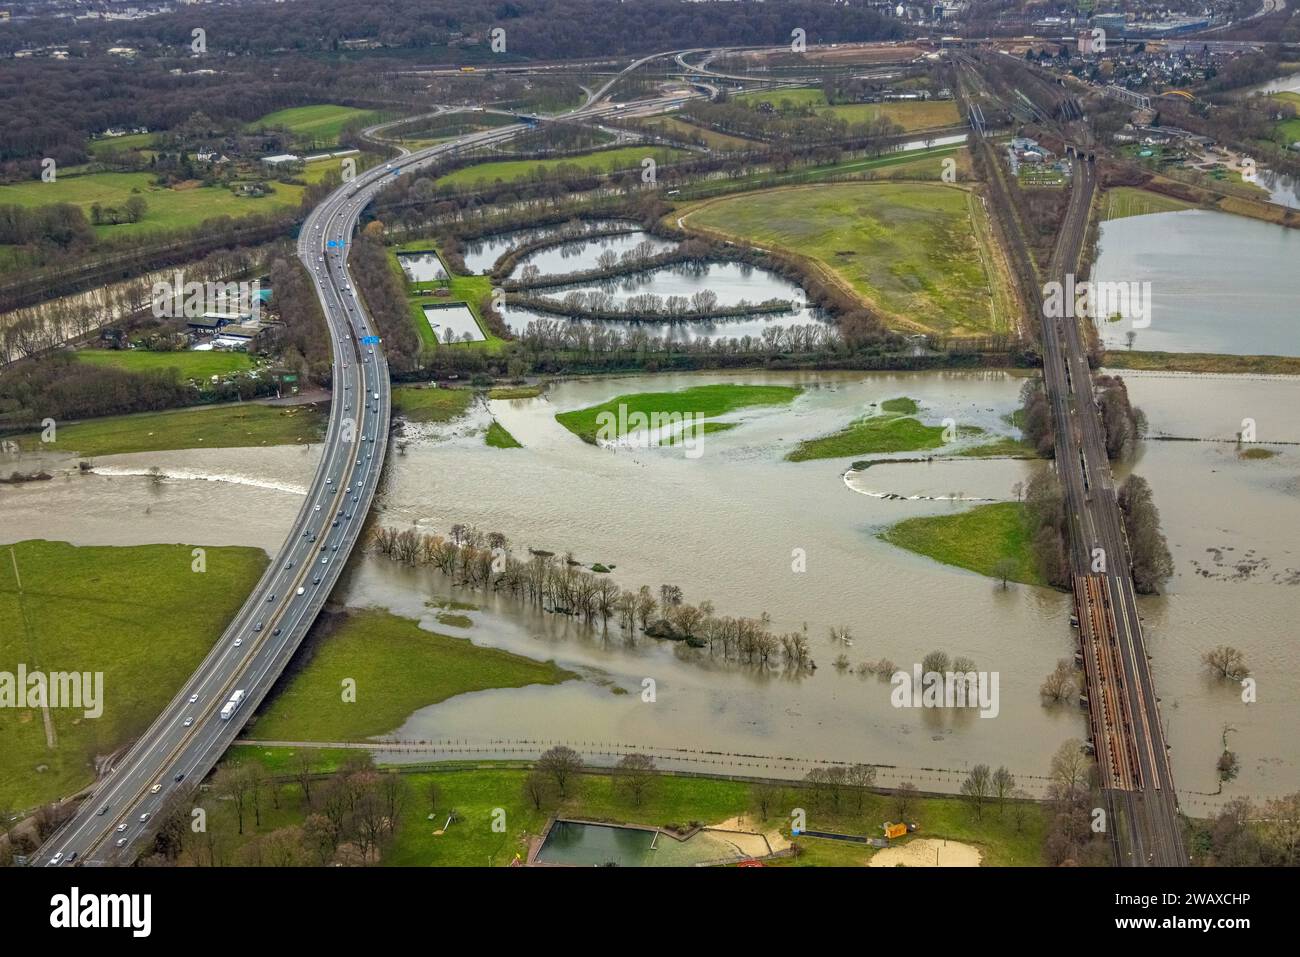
{"points": [[231, 706]]}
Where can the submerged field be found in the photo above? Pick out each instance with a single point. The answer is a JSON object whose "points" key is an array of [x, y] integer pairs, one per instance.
{"points": [[918, 252], [142, 616], [706, 401]]}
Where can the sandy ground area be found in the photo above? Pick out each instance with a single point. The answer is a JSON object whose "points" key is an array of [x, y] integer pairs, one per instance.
{"points": [[922, 853], [745, 831]]}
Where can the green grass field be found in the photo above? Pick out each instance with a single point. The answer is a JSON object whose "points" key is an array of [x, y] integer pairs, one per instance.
{"points": [[1125, 201], [422, 404], [140, 615], [914, 250], [705, 400], [319, 124], [975, 539], [794, 97], [1287, 132], [917, 115], [497, 437], [168, 209], [901, 405], [869, 435], [397, 668], [190, 365], [211, 427], [922, 115], [626, 157], [131, 143], [477, 790], [673, 126]]}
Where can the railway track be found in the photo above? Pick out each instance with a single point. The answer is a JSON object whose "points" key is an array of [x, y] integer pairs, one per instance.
{"points": [[1124, 720]]}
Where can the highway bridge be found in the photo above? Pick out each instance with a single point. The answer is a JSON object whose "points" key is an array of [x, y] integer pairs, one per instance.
{"points": [[187, 739]]}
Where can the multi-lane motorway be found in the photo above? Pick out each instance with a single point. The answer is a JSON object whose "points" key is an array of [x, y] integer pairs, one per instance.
{"points": [[185, 742]]}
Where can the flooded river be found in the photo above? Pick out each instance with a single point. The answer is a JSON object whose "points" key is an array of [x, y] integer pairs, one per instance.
{"points": [[725, 527]]}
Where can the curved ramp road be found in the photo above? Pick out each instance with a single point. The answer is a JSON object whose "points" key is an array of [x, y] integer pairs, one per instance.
{"points": [[185, 742]]}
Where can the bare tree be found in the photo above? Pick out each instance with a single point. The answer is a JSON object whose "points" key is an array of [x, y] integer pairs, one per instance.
{"points": [[862, 777], [1004, 569], [634, 775], [537, 788], [766, 796], [1069, 771], [977, 787], [1059, 685], [562, 764], [904, 799], [231, 782], [1002, 784], [1226, 662]]}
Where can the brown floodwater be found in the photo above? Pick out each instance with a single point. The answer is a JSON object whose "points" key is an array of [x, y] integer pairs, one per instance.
{"points": [[724, 526]]}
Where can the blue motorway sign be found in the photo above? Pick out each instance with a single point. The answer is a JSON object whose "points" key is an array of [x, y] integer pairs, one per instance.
{"points": [[370, 340]]}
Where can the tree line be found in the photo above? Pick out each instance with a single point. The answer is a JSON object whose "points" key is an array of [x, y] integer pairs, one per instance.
{"points": [[458, 30], [478, 560]]}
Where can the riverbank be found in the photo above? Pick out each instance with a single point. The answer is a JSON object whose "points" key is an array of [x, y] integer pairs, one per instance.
{"points": [[700, 402]]}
